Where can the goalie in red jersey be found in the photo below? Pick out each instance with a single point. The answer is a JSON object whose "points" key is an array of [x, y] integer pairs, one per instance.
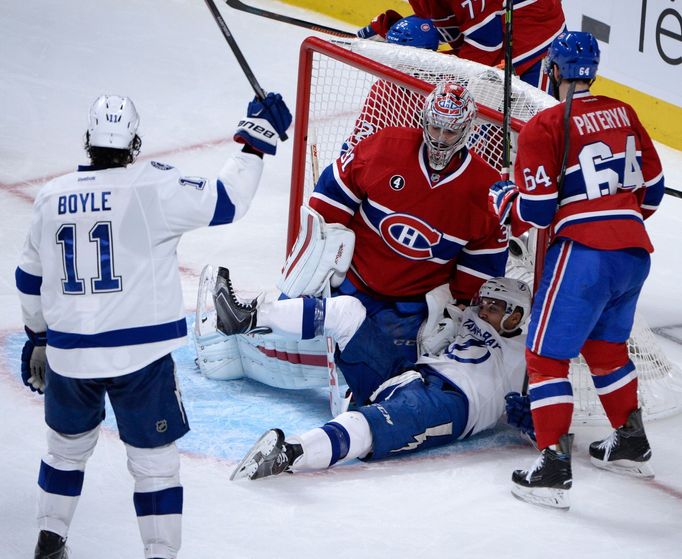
{"points": [[415, 201], [587, 170]]}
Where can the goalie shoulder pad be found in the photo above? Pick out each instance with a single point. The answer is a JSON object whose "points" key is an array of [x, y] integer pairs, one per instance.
{"points": [[321, 254]]}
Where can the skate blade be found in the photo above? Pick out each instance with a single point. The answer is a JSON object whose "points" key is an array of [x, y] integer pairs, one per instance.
{"points": [[254, 458], [543, 496], [641, 470]]}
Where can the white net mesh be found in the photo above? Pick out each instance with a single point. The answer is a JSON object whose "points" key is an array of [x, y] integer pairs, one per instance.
{"points": [[347, 104]]}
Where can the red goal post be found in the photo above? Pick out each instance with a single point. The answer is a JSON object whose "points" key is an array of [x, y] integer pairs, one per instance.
{"points": [[335, 79]]}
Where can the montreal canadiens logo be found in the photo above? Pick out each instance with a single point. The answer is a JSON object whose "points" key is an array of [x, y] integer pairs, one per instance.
{"points": [[450, 105], [397, 182], [408, 236]]}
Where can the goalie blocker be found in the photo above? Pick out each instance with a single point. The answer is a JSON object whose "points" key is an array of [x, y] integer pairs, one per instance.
{"points": [[319, 258]]}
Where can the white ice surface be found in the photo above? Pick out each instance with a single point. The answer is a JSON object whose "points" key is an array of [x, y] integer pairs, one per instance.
{"points": [[171, 59]]}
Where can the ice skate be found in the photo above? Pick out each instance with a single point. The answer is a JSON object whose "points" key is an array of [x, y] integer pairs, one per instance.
{"points": [[270, 456], [626, 451], [547, 482], [50, 546], [234, 317]]}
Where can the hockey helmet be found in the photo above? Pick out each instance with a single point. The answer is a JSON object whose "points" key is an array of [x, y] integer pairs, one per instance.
{"points": [[513, 292], [414, 31], [448, 114], [113, 122], [575, 53]]}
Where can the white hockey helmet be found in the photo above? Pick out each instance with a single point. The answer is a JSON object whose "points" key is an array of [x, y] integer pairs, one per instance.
{"points": [[112, 122], [449, 112], [514, 292]]}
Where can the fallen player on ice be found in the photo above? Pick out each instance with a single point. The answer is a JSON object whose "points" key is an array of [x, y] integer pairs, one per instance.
{"points": [[456, 390]]}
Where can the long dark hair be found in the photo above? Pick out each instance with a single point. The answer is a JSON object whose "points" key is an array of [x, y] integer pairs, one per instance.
{"points": [[105, 158]]}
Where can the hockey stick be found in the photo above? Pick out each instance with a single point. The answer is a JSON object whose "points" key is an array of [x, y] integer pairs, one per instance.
{"points": [[260, 93], [541, 241], [336, 399], [238, 5], [672, 192], [508, 71]]}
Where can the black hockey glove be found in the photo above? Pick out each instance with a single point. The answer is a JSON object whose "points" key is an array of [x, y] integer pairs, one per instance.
{"points": [[33, 361]]}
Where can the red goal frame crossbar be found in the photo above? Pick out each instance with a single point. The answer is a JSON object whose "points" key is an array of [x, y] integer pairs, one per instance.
{"points": [[313, 45]]}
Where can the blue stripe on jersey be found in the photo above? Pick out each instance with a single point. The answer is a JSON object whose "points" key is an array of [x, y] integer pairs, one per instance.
{"points": [[224, 208], [339, 439], [118, 338], [156, 503], [538, 212], [550, 390], [313, 317], [568, 221], [491, 264], [488, 35], [67, 483], [603, 381], [328, 186], [27, 283], [654, 193]]}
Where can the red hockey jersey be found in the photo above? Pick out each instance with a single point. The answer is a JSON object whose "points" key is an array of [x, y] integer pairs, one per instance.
{"points": [[613, 179], [415, 229], [481, 25]]}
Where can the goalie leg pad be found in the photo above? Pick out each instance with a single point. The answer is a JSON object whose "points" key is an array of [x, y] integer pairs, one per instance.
{"points": [[322, 251], [218, 356], [283, 362]]}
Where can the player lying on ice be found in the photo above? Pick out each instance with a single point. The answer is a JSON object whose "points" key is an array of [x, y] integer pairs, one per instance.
{"points": [[453, 392]]}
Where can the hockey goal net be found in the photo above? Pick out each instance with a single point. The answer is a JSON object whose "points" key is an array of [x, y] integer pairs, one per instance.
{"points": [[349, 89]]}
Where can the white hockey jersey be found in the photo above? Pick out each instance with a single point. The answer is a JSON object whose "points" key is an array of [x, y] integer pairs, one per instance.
{"points": [[485, 366], [99, 269]]}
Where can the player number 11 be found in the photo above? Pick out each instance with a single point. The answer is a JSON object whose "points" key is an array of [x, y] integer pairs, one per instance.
{"points": [[106, 281]]}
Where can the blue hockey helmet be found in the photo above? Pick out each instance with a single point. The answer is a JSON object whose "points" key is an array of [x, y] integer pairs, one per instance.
{"points": [[576, 53], [414, 31]]}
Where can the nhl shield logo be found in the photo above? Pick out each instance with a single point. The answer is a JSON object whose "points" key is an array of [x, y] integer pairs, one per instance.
{"points": [[161, 426], [397, 182]]}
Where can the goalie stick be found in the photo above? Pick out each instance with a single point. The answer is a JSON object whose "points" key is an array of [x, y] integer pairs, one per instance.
{"points": [[336, 399], [238, 5], [260, 93]]}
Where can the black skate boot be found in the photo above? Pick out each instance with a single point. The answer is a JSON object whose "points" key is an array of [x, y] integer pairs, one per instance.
{"points": [[270, 456], [547, 482], [233, 317], [50, 546], [626, 450]]}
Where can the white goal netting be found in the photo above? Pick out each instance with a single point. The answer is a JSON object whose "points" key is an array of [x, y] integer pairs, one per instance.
{"points": [[350, 89]]}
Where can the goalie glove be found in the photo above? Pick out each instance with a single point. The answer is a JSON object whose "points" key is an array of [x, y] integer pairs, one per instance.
{"points": [[33, 361], [519, 415], [441, 324], [501, 197], [379, 25], [266, 120]]}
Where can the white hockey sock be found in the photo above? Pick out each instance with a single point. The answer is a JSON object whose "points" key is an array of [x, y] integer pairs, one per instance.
{"points": [[61, 478], [346, 437], [338, 317]]}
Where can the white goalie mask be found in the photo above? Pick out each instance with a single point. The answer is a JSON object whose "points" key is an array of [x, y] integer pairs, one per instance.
{"points": [[513, 292], [112, 122], [449, 112]]}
